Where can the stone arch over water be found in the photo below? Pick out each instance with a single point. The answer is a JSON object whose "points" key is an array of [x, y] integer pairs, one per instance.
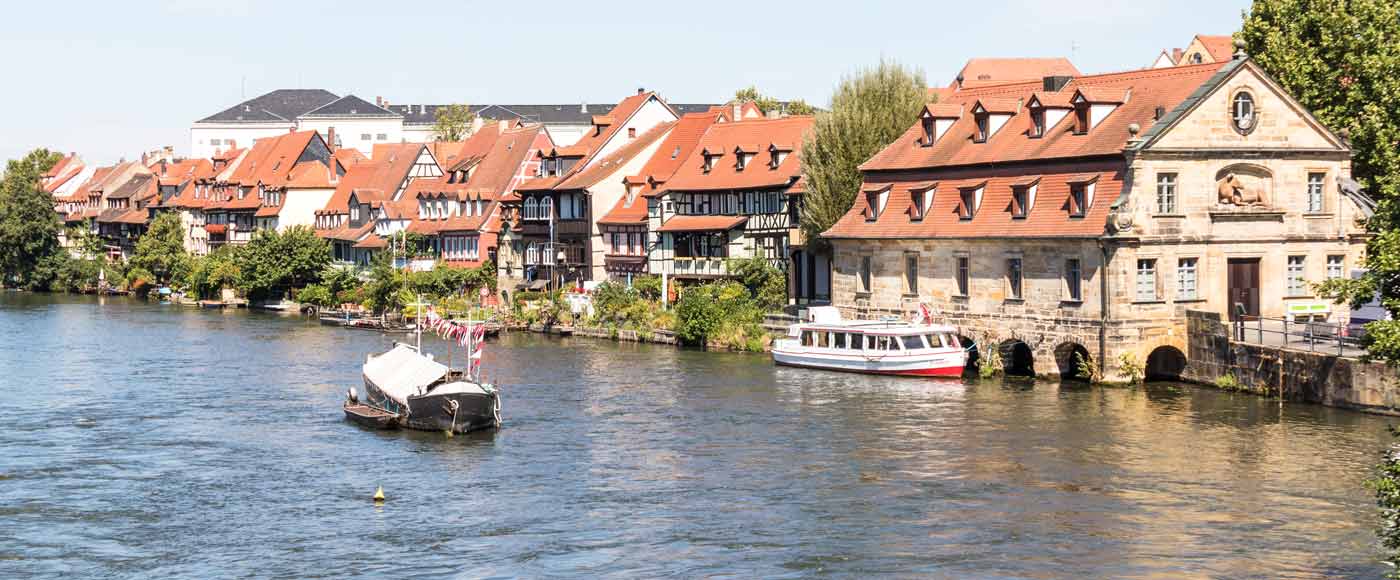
{"points": [[1067, 362], [1017, 358], [1166, 363], [973, 356]]}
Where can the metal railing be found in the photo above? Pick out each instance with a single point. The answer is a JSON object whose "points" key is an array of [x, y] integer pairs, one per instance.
{"points": [[1314, 336]]}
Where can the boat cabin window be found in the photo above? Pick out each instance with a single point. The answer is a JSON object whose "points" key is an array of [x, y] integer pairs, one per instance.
{"points": [[857, 341], [935, 340], [806, 338], [822, 340], [838, 340], [886, 343], [912, 341]]}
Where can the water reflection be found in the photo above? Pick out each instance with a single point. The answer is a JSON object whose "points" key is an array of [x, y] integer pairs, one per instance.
{"points": [[151, 440]]}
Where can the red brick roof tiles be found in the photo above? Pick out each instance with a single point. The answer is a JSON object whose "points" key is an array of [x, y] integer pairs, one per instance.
{"points": [[758, 173], [1150, 88]]}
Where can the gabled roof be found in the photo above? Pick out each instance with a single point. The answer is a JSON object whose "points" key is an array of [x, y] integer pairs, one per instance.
{"points": [[271, 161], [668, 157], [350, 106], [614, 161], [278, 105], [377, 179], [981, 72], [136, 186], [724, 174], [1150, 88], [1221, 47]]}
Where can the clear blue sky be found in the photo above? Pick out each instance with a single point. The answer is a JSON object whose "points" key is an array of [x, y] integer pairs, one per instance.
{"points": [[109, 79]]}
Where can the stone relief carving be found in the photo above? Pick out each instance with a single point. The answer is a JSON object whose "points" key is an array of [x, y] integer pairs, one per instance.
{"points": [[1231, 191], [1120, 220]]}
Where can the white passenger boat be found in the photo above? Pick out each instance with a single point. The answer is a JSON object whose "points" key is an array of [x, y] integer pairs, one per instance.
{"points": [[885, 347]]}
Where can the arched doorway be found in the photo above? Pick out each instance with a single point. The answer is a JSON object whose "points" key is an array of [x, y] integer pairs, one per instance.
{"points": [[1166, 363], [1067, 357], [1017, 358], [970, 346]]}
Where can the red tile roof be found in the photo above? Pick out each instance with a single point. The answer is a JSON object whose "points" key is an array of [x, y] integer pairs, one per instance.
{"points": [[1011, 158], [612, 162], [1221, 47], [700, 223], [669, 155], [1149, 88], [980, 72], [787, 131]]}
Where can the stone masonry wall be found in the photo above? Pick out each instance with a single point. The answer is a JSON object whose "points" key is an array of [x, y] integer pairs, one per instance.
{"points": [[1311, 377]]}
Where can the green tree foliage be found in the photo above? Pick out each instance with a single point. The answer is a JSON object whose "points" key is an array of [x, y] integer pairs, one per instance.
{"points": [[29, 227], [769, 105], [453, 122], [1386, 484], [649, 286], [704, 311], [161, 250], [337, 280], [316, 294], [273, 261], [388, 287], [1340, 60], [767, 284], [868, 112], [750, 94], [210, 274]]}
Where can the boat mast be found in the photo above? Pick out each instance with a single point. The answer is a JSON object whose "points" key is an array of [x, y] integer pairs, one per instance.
{"points": [[418, 323]]}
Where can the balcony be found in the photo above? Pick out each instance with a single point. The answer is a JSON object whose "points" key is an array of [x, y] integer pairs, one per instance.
{"points": [[699, 267], [561, 228]]}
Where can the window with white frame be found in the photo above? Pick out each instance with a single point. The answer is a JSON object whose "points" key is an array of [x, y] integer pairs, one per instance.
{"points": [[1336, 266], [1166, 193], [1146, 280], [1186, 277], [1315, 190], [1296, 283]]}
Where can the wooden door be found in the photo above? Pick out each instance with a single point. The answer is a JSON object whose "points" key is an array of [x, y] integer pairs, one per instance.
{"points": [[1244, 286]]}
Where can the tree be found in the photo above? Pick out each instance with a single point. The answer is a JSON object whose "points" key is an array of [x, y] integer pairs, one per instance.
{"points": [[765, 103], [29, 227], [161, 251], [453, 122], [388, 286], [209, 275], [868, 112], [1339, 60], [799, 107], [766, 283], [274, 261]]}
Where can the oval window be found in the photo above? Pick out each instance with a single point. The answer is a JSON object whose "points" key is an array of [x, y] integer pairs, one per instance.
{"points": [[1242, 112]]}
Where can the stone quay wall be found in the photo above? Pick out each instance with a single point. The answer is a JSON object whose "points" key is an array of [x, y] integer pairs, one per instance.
{"points": [[1312, 377]]}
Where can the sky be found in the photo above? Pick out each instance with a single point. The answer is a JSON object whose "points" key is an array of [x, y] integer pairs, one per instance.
{"points": [[112, 79]]}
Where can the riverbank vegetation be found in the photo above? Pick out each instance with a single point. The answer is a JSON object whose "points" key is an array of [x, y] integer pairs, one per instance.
{"points": [[1339, 60], [725, 314]]}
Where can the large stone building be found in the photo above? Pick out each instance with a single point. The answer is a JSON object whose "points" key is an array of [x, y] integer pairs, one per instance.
{"points": [[1085, 215]]}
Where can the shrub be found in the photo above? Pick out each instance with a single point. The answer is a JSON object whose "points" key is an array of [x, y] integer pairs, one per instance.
{"points": [[316, 294], [1129, 366], [702, 310], [649, 287], [989, 360], [1087, 369], [765, 282], [1228, 382]]}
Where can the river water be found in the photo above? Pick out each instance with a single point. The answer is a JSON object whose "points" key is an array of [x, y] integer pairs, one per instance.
{"points": [[143, 441]]}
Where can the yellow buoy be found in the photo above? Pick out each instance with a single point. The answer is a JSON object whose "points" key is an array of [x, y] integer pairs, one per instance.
{"points": [[379, 494]]}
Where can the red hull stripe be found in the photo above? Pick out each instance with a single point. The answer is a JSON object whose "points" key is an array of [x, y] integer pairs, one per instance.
{"points": [[929, 372]]}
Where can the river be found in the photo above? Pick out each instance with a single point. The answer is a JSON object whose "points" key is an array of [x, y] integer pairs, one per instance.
{"points": [[143, 440]]}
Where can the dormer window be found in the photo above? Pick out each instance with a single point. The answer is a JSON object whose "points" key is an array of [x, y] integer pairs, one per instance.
{"points": [[631, 132], [929, 130], [1020, 202], [1081, 116], [1081, 197], [983, 126], [1037, 122], [920, 200], [969, 199], [875, 198]]}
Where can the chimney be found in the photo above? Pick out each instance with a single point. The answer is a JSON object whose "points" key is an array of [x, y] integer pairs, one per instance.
{"points": [[422, 109], [583, 108], [1053, 84], [502, 125], [162, 168], [379, 101], [737, 111], [330, 138], [641, 90]]}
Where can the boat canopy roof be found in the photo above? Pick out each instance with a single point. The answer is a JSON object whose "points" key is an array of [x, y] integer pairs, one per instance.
{"points": [[897, 327], [403, 372]]}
